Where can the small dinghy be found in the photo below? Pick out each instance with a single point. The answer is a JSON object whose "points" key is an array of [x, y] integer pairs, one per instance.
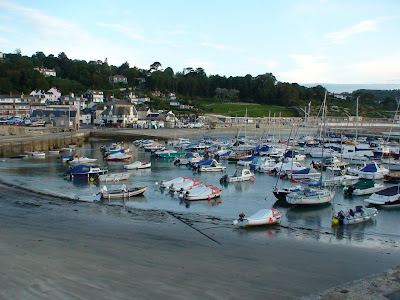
{"points": [[178, 180], [202, 192], [114, 177], [122, 192], [262, 217], [359, 215], [138, 165], [239, 175], [184, 186]]}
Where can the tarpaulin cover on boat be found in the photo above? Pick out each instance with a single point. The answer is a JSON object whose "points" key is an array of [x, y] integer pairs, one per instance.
{"points": [[80, 169], [391, 191], [369, 168], [364, 184], [304, 171], [205, 162]]}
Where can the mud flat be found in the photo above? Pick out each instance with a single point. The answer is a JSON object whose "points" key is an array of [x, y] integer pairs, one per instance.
{"points": [[57, 249]]}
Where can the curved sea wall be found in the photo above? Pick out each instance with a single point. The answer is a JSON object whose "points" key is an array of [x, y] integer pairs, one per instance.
{"points": [[11, 145]]}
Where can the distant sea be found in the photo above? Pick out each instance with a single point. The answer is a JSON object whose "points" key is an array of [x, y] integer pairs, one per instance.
{"points": [[341, 88]]}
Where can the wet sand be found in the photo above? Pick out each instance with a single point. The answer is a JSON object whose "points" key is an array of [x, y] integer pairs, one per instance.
{"points": [[58, 249]]}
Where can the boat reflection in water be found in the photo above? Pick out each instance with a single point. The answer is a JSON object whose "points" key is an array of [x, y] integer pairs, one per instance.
{"points": [[211, 202]]}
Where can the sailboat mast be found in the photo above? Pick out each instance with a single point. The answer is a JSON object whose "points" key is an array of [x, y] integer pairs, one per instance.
{"points": [[357, 119]]}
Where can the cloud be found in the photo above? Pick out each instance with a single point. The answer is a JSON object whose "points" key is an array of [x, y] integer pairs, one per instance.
{"points": [[382, 70], [339, 37], [127, 31], [270, 64], [4, 41], [309, 69], [220, 47]]}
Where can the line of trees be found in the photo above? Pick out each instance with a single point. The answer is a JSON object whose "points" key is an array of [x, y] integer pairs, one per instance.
{"points": [[17, 75]]}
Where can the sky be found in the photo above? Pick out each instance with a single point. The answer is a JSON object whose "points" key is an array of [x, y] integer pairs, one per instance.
{"points": [[302, 41]]}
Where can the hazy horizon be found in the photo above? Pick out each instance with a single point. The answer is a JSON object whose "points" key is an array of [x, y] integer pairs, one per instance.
{"points": [[351, 87]]}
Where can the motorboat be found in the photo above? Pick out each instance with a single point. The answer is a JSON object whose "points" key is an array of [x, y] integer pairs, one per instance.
{"points": [[305, 173], [392, 178], [280, 193], [262, 217], [293, 155], [38, 153], [286, 169], [359, 215], [320, 152], [201, 192], [389, 197], [209, 165], [310, 196], [140, 164], [269, 166], [54, 151], [178, 180], [85, 171], [372, 171], [78, 160], [245, 161], [154, 147], [122, 192], [190, 158], [185, 185], [363, 187], [114, 177], [169, 153], [239, 175], [118, 157]]}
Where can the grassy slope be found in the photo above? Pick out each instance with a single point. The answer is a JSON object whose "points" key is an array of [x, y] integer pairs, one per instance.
{"points": [[253, 110]]}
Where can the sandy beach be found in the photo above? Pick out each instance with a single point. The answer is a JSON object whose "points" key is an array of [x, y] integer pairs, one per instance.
{"points": [[58, 249]]}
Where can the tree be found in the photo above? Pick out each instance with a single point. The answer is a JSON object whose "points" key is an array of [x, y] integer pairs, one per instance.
{"points": [[155, 66]]}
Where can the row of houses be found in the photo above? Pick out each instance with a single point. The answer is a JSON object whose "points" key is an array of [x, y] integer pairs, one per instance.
{"points": [[71, 110]]}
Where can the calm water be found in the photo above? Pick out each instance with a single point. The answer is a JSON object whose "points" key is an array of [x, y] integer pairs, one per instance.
{"points": [[46, 174]]}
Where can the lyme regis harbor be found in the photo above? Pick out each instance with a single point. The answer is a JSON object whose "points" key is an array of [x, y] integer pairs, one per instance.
{"points": [[210, 150]]}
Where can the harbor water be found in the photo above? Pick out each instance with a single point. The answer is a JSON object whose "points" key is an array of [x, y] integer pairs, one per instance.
{"points": [[46, 175]]}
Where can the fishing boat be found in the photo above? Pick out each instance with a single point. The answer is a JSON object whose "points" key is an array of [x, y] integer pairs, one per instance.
{"points": [[372, 171], [310, 196], [389, 197], [185, 185], [363, 187], [122, 192], [85, 171], [262, 217], [140, 164], [359, 215], [239, 175], [114, 177], [201, 192]]}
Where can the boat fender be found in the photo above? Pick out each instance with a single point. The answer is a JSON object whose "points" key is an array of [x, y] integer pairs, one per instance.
{"points": [[209, 198], [271, 220]]}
